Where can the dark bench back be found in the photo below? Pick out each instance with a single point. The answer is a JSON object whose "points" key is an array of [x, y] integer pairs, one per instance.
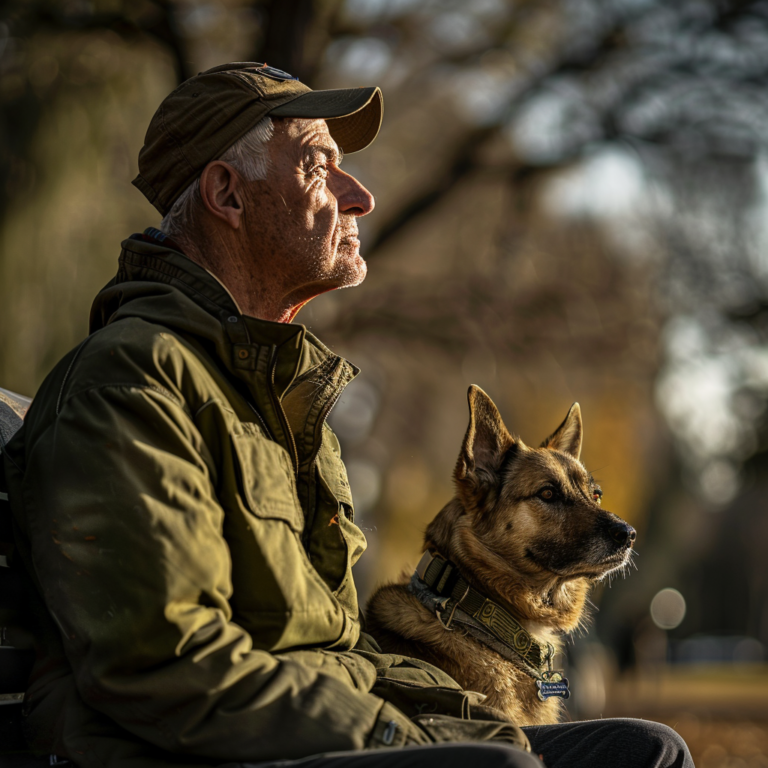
{"points": [[13, 408], [15, 662]]}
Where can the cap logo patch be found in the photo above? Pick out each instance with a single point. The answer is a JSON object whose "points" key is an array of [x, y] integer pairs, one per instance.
{"points": [[274, 73]]}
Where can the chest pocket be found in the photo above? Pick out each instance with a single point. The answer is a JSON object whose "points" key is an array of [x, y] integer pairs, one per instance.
{"points": [[266, 474]]}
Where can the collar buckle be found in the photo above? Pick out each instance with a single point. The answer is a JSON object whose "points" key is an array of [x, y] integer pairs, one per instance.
{"points": [[447, 626], [424, 563]]}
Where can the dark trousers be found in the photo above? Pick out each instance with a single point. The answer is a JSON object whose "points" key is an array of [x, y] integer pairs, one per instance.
{"points": [[613, 743]]}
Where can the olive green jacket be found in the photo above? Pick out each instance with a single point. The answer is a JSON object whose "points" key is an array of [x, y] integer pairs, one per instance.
{"points": [[183, 509]]}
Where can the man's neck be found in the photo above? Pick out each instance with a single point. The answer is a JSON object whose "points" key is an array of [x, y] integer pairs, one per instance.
{"points": [[254, 293]]}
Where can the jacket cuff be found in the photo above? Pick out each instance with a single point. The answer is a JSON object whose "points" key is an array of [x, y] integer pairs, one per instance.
{"points": [[394, 729]]}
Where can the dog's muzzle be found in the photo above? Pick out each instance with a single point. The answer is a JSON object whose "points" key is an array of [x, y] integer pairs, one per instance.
{"points": [[624, 535]]}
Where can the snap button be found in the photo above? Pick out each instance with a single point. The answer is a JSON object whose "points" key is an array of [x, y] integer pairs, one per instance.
{"points": [[242, 353]]}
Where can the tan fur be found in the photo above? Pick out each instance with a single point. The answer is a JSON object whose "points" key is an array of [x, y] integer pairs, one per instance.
{"points": [[535, 557]]}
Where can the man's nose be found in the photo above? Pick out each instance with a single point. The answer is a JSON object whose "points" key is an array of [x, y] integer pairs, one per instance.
{"points": [[353, 198]]}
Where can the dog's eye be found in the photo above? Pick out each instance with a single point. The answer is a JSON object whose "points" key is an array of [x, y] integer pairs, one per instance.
{"points": [[597, 495], [547, 494]]}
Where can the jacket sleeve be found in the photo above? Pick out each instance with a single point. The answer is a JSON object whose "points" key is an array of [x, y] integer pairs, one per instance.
{"points": [[127, 544]]}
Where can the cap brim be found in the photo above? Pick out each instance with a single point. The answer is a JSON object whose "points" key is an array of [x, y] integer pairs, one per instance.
{"points": [[354, 114]]}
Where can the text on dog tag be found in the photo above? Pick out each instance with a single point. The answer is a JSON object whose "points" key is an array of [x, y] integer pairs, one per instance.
{"points": [[552, 685]]}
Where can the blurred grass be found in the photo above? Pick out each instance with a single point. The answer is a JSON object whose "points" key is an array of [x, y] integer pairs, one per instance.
{"points": [[722, 743], [720, 710], [707, 689]]}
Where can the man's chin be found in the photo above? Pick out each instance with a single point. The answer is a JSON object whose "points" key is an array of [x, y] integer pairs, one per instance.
{"points": [[360, 274], [350, 272]]}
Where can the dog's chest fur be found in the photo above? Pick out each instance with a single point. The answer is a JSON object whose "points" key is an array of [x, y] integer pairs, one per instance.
{"points": [[402, 625]]}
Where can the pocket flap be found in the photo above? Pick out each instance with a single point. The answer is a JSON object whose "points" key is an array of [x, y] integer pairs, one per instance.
{"points": [[268, 481]]}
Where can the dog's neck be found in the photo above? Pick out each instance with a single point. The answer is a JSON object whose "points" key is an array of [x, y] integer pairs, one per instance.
{"points": [[545, 604]]}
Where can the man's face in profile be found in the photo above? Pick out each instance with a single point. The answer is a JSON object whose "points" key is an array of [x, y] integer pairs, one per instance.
{"points": [[303, 217]]}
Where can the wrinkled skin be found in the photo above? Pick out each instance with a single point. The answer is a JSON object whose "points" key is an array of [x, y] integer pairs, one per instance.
{"points": [[279, 242]]}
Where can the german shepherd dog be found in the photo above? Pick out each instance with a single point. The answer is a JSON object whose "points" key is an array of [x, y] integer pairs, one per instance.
{"points": [[526, 534]]}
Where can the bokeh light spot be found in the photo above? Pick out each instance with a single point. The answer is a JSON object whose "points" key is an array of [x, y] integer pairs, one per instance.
{"points": [[668, 609]]}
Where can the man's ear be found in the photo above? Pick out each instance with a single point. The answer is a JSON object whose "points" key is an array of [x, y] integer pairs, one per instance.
{"points": [[568, 436], [222, 192], [486, 440]]}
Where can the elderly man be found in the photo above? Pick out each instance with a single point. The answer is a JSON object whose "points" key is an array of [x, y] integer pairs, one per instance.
{"points": [[181, 505]]}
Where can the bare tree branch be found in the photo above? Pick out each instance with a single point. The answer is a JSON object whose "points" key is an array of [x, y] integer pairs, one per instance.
{"points": [[463, 161], [283, 45]]}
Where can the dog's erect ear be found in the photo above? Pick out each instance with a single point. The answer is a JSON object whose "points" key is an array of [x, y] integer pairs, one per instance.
{"points": [[567, 437], [486, 440]]}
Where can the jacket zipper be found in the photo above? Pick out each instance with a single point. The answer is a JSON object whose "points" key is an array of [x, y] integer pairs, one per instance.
{"points": [[283, 418]]}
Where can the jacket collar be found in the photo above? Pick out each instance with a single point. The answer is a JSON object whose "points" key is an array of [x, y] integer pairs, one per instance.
{"points": [[277, 361]]}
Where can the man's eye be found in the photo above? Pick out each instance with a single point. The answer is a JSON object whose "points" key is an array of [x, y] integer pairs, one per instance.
{"points": [[547, 494], [319, 172]]}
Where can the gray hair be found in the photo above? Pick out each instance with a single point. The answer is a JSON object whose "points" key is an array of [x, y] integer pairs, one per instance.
{"points": [[248, 155]]}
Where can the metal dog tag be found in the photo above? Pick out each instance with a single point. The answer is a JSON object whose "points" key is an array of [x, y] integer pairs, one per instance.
{"points": [[553, 684]]}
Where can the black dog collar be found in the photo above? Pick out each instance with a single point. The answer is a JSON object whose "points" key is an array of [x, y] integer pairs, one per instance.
{"points": [[443, 578]]}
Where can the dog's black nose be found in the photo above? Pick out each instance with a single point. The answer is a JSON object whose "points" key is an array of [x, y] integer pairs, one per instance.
{"points": [[623, 534]]}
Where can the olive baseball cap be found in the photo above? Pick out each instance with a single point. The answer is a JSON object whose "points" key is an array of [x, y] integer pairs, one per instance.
{"points": [[201, 119]]}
